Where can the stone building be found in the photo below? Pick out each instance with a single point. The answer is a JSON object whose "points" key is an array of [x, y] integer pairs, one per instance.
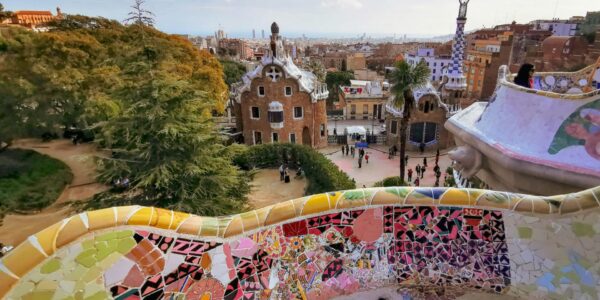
{"points": [[484, 58], [363, 100], [426, 124], [564, 52], [33, 19], [279, 102]]}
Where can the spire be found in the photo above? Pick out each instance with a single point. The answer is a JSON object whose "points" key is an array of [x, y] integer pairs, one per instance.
{"points": [[456, 78], [277, 48]]}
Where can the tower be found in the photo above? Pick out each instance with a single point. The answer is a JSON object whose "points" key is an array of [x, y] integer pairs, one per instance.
{"points": [[277, 49], [455, 83], [253, 34]]}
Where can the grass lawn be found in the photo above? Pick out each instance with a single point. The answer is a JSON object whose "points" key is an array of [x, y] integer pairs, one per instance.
{"points": [[30, 181]]}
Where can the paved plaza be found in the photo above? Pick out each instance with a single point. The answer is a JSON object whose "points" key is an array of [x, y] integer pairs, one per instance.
{"points": [[380, 166]]}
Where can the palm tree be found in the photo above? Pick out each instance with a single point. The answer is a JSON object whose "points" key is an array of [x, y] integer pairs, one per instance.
{"points": [[404, 80]]}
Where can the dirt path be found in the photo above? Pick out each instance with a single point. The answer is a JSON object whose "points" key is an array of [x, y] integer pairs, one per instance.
{"points": [[16, 228], [268, 189]]}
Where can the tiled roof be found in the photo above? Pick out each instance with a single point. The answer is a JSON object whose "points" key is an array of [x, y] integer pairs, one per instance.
{"points": [[33, 12]]}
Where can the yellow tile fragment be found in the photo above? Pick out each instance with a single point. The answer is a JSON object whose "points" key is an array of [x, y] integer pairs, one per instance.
{"points": [[100, 219], [316, 204], [191, 225], [144, 216], [22, 259], [73, 229]]}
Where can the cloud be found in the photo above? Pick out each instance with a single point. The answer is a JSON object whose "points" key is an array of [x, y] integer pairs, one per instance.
{"points": [[342, 3]]}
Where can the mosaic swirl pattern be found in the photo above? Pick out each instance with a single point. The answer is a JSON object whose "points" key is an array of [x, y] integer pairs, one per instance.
{"points": [[424, 240]]}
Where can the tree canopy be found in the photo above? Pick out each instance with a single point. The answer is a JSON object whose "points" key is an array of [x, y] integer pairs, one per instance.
{"points": [[405, 79], [334, 80], [147, 95], [233, 71], [4, 14]]}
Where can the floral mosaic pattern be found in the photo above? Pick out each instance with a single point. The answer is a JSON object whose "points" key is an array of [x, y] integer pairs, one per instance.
{"points": [[582, 128], [318, 257]]}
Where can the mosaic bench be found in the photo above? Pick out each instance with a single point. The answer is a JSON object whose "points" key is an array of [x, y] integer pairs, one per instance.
{"points": [[427, 242]]}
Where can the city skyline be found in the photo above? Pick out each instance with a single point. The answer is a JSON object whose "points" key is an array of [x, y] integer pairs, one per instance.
{"points": [[320, 18]]}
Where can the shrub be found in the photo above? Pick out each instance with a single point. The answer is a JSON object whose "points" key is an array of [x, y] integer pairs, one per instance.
{"points": [[322, 174], [390, 181], [30, 181]]}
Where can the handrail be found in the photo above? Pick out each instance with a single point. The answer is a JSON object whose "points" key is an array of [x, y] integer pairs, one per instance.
{"points": [[38, 247]]}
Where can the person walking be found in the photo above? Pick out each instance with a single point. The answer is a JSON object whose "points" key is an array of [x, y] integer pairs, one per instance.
{"points": [[406, 159], [417, 182], [418, 168], [343, 148], [410, 172], [423, 169], [436, 168], [390, 153], [425, 161], [286, 175], [347, 150], [281, 172], [360, 162], [352, 151], [367, 158]]}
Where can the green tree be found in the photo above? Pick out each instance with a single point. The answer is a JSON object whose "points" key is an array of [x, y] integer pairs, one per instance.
{"points": [[232, 70], [167, 146], [334, 80], [4, 14], [405, 79]]}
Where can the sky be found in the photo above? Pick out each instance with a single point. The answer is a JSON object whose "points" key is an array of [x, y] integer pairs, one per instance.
{"points": [[320, 18]]}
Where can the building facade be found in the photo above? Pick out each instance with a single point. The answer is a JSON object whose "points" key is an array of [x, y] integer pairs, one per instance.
{"points": [[436, 63], [484, 58], [558, 27], [33, 19], [279, 102], [363, 100]]}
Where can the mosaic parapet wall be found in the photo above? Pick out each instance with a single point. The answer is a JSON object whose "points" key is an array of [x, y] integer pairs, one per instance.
{"points": [[427, 241]]}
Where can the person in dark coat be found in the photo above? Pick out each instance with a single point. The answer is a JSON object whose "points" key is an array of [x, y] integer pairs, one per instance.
{"points": [[423, 169], [425, 161], [410, 172], [347, 150], [360, 161], [418, 169], [525, 76]]}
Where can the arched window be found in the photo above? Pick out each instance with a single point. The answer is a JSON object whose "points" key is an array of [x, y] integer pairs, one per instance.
{"points": [[431, 106], [424, 132], [426, 107]]}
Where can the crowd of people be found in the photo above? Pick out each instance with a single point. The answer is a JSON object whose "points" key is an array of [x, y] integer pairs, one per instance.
{"points": [[351, 150], [421, 169]]}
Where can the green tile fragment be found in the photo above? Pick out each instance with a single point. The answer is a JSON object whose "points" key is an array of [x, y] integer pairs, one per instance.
{"points": [[86, 258], [126, 245], [87, 244], [98, 296], [583, 229], [39, 295], [51, 266], [125, 234], [525, 232], [107, 236]]}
